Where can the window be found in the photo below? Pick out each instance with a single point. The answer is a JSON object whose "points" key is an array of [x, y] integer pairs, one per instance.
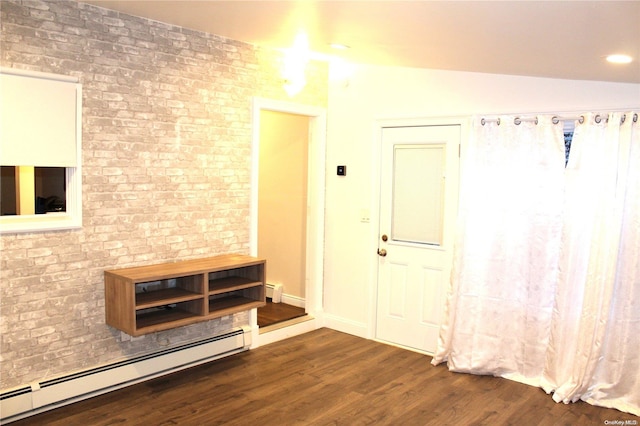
{"points": [[568, 137], [48, 187], [40, 152], [568, 129]]}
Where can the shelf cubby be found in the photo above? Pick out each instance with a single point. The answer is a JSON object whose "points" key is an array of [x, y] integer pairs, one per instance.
{"points": [[152, 298]]}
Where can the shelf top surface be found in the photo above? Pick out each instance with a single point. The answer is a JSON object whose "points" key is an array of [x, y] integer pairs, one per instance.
{"points": [[185, 267]]}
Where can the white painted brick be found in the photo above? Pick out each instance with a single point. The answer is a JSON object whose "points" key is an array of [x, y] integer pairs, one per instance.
{"points": [[166, 173], [39, 252]]}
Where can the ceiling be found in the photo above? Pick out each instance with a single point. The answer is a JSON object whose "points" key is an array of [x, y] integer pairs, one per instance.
{"points": [[558, 39]]}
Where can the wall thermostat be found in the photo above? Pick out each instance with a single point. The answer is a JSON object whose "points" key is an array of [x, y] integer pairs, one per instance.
{"points": [[342, 170]]}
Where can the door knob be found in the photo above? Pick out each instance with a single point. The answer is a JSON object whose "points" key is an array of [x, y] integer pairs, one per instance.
{"points": [[382, 252]]}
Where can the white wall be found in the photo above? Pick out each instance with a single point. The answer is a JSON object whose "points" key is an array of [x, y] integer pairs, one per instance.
{"points": [[375, 93]]}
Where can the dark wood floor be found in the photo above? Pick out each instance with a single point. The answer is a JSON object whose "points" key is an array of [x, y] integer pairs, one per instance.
{"points": [[273, 313], [326, 378]]}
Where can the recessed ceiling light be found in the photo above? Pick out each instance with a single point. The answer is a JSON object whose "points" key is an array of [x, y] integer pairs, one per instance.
{"points": [[619, 59], [339, 46]]}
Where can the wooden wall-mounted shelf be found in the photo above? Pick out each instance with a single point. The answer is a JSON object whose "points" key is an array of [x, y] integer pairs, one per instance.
{"points": [[146, 299]]}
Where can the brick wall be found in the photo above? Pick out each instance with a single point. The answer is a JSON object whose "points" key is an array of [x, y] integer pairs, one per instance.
{"points": [[166, 173]]}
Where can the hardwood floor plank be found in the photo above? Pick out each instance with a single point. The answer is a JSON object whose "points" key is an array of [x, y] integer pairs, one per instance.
{"points": [[273, 313], [325, 378]]}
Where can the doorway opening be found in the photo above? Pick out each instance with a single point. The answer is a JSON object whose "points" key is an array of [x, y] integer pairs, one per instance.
{"points": [[287, 213], [282, 213]]}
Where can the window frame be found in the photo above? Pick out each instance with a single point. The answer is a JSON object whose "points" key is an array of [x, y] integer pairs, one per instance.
{"points": [[72, 217]]}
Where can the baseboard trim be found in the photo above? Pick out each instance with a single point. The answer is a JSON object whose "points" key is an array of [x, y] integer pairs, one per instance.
{"points": [[294, 300], [273, 293], [345, 325], [293, 328]]}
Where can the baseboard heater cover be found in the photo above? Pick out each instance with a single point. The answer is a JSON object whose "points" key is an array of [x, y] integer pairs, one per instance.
{"points": [[274, 292], [49, 394]]}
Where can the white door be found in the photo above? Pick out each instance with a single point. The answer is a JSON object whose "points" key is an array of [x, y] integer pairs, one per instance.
{"points": [[418, 204]]}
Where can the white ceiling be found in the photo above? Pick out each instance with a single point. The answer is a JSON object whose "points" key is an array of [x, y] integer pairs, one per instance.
{"points": [[559, 39]]}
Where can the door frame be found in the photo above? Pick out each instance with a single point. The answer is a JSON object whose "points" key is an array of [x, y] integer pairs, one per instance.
{"points": [[315, 212], [463, 122]]}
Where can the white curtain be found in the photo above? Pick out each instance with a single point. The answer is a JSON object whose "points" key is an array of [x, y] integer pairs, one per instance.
{"points": [[546, 281], [594, 351], [505, 263]]}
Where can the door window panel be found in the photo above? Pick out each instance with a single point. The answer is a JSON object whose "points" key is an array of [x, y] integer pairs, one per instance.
{"points": [[418, 193]]}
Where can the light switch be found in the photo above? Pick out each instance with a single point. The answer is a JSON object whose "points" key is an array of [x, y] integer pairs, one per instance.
{"points": [[364, 216], [342, 170]]}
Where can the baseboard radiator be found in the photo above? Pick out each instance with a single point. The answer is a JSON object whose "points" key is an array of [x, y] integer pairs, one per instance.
{"points": [[53, 393], [274, 292]]}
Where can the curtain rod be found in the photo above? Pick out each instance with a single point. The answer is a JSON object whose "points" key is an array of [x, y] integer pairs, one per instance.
{"points": [[556, 119]]}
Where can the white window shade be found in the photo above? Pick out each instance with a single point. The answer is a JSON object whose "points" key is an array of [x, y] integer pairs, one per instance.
{"points": [[38, 121]]}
